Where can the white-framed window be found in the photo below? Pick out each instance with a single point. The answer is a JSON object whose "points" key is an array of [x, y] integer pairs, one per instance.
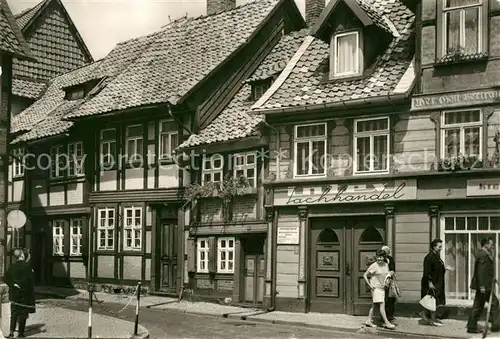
{"points": [[134, 142], [462, 25], [58, 162], [371, 142], [310, 150], [212, 169], [202, 249], [225, 255], [132, 229], [461, 133], [106, 229], [76, 236], [169, 139], [462, 234], [18, 162], [346, 54], [108, 146], [75, 159], [245, 165], [58, 237]]}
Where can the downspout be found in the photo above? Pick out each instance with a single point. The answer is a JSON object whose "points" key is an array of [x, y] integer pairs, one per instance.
{"points": [[418, 46], [169, 109]]}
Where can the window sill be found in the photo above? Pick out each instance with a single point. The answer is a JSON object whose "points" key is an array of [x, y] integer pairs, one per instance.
{"points": [[56, 181], [132, 251], [460, 59], [309, 176], [371, 173]]}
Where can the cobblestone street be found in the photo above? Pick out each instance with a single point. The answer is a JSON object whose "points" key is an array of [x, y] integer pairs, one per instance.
{"points": [[173, 324]]}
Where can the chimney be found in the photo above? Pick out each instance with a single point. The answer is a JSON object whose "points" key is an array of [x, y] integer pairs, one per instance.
{"points": [[217, 6], [313, 11]]}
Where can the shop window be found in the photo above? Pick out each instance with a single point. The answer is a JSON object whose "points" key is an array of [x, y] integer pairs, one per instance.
{"points": [[18, 163], [328, 236], [310, 150], [371, 142], [108, 147], [76, 236], [225, 255], [461, 133], [212, 169], [202, 249], [132, 238], [168, 139], [462, 27], [106, 229], [245, 165], [371, 235], [58, 237], [346, 54], [462, 235]]}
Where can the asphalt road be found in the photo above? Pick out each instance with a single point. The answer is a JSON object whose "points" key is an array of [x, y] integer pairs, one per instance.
{"points": [[173, 324]]}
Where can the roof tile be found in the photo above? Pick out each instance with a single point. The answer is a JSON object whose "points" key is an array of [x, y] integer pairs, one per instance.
{"points": [[11, 38]]}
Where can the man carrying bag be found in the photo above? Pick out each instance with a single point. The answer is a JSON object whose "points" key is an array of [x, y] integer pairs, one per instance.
{"points": [[483, 283]]}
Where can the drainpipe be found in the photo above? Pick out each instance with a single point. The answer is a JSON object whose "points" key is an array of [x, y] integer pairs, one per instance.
{"points": [[169, 109]]}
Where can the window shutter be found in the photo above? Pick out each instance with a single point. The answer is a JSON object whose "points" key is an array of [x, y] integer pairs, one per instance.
{"points": [[212, 255], [192, 255]]}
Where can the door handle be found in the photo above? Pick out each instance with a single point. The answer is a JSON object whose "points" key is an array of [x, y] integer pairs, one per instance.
{"points": [[347, 270]]}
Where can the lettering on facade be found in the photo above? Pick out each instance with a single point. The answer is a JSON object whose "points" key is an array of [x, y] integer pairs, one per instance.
{"points": [[456, 99], [288, 235], [343, 193], [483, 187]]}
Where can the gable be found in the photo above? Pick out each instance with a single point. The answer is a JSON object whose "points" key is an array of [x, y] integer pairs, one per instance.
{"points": [[54, 41]]}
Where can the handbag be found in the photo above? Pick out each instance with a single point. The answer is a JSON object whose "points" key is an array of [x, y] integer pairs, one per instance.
{"points": [[429, 302], [394, 291]]}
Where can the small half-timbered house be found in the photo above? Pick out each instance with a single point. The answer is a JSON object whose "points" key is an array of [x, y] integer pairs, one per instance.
{"points": [[110, 132]]}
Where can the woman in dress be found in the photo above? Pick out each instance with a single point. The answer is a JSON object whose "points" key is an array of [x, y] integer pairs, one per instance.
{"points": [[376, 277]]}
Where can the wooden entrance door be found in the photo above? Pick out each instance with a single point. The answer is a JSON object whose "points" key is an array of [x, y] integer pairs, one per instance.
{"points": [[328, 264], [253, 277], [168, 256], [340, 250]]}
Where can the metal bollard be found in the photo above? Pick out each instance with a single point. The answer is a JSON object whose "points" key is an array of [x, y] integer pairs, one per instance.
{"points": [[136, 325], [90, 311]]}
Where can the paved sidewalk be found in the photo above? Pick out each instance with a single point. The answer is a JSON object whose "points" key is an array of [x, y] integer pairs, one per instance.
{"points": [[54, 322], [405, 326]]}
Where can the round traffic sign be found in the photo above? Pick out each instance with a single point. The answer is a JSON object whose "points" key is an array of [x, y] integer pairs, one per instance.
{"points": [[16, 219]]}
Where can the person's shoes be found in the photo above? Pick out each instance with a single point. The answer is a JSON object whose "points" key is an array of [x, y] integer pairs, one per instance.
{"points": [[11, 335], [437, 323], [389, 326], [370, 324], [474, 330]]}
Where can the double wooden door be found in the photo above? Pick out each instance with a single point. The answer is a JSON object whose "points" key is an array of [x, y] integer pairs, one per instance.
{"points": [[340, 251]]}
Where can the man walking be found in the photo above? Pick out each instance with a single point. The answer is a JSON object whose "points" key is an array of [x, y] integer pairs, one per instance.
{"points": [[390, 303], [19, 278], [484, 272]]}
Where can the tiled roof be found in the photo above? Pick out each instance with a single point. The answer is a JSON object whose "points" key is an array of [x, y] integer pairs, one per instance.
{"points": [[11, 39], [25, 16], [55, 42], [304, 83], [234, 122], [27, 88], [45, 117], [182, 55]]}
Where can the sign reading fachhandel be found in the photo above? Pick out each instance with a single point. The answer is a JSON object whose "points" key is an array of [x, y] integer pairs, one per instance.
{"points": [[343, 193]]}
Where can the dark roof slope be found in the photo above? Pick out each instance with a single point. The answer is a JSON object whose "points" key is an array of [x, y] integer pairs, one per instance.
{"points": [[182, 55], [25, 16], [303, 84], [234, 122], [11, 39]]}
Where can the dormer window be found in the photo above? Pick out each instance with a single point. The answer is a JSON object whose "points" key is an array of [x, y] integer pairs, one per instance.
{"points": [[346, 55], [258, 89], [75, 93], [462, 27]]}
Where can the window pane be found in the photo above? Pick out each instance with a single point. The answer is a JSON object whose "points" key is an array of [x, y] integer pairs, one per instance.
{"points": [[495, 223], [452, 31], [250, 173], [238, 160], [471, 223], [164, 144], [457, 255], [372, 125], [346, 58], [217, 162], [363, 153], [302, 158], [462, 117], [471, 141], [134, 131], [452, 142], [380, 155], [217, 177], [207, 177], [483, 223], [173, 142], [318, 157], [208, 164], [311, 131], [460, 223], [472, 30], [250, 159], [458, 3]]}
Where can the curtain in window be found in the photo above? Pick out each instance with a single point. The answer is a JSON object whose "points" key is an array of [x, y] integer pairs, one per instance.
{"points": [[302, 158], [456, 255], [318, 157], [346, 57], [452, 142], [452, 31], [380, 152], [471, 43], [363, 149]]}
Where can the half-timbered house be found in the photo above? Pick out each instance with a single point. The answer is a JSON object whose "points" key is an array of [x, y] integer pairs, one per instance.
{"points": [[112, 201]]}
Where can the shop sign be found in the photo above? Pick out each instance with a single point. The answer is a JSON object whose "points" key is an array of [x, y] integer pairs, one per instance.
{"points": [[288, 235], [483, 187], [469, 98], [346, 193]]}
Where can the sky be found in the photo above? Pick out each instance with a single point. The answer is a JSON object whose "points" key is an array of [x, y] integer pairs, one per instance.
{"points": [[104, 23]]}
